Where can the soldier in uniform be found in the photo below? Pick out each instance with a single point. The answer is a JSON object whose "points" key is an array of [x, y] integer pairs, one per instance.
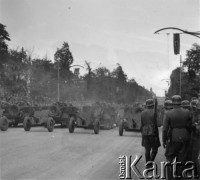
{"points": [[185, 104], [195, 136], [150, 140], [167, 106], [178, 121]]}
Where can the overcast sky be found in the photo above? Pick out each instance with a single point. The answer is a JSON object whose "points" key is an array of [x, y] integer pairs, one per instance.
{"points": [[106, 32]]}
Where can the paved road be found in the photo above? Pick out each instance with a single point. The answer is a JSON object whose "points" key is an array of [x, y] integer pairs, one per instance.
{"points": [[41, 155]]}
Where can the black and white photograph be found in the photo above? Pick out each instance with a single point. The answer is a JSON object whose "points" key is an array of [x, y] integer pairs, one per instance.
{"points": [[99, 89]]}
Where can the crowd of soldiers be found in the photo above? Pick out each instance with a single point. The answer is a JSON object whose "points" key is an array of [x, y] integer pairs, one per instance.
{"points": [[180, 134]]}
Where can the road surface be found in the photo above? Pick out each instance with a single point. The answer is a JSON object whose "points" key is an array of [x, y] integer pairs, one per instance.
{"points": [[40, 155]]}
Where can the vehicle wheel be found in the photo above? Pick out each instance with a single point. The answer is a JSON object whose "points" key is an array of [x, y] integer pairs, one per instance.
{"points": [[121, 127], [27, 123], [71, 124], [96, 126], [50, 124], [4, 123]]}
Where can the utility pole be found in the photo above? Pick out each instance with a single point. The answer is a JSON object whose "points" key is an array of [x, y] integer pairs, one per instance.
{"points": [[58, 98], [180, 72]]}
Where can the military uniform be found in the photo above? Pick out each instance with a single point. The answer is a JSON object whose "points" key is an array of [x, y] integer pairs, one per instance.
{"points": [[195, 136], [167, 106], [150, 140], [178, 121]]}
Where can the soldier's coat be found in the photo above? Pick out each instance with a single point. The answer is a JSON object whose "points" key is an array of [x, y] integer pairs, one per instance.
{"points": [[149, 137]]}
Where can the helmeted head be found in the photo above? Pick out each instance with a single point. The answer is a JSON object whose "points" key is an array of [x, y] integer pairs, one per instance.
{"points": [[168, 104], [194, 103], [185, 104], [198, 105], [149, 103], [176, 100], [193, 98]]}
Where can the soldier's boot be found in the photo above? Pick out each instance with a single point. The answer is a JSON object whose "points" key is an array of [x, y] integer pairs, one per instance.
{"points": [[147, 154], [153, 154], [169, 169]]}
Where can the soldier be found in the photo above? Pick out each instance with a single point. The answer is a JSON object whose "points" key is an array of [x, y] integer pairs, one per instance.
{"points": [[195, 136], [178, 121], [150, 139], [167, 106], [185, 104]]}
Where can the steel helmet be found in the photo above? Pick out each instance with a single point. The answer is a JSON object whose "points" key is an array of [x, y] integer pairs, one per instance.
{"points": [[193, 98], [168, 104], [185, 104], [176, 99], [194, 103], [149, 102]]}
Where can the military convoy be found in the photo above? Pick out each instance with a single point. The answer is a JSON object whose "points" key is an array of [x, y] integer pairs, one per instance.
{"points": [[97, 116], [94, 116]]}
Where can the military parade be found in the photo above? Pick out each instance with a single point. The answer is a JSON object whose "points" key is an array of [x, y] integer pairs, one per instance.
{"points": [[99, 90]]}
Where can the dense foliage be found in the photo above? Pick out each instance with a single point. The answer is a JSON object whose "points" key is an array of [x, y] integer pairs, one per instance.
{"points": [[190, 75], [37, 79]]}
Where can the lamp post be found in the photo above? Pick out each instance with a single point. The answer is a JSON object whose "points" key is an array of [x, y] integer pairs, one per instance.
{"points": [[180, 72], [58, 85]]}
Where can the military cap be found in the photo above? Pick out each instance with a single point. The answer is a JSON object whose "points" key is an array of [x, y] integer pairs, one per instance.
{"points": [[149, 102], [185, 104], [168, 104], [176, 100]]}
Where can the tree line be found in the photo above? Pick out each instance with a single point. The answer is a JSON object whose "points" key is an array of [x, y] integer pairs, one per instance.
{"points": [[36, 79], [189, 77]]}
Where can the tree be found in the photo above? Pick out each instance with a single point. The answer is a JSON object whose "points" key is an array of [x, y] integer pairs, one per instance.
{"points": [[190, 75], [119, 74], [43, 79], [88, 76], [64, 56], [15, 72], [192, 62], [4, 36]]}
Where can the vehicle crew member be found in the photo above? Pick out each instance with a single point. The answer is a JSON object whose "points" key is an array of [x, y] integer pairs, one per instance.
{"points": [[150, 140], [178, 121]]}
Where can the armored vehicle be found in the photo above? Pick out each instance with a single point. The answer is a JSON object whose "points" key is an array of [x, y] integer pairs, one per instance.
{"points": [[39, 117], [129, 119], [13, 114], [106, 116], [57, 113], [88, 118]]}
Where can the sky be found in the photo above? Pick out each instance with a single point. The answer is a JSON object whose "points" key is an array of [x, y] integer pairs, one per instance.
{"points": [[106, 32]]}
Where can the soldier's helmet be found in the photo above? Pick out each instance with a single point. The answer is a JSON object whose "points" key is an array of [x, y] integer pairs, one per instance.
{"points": [[194, 103], [168, 104], [149, 102], [176, 100], [185, 104], [193, 98]]}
